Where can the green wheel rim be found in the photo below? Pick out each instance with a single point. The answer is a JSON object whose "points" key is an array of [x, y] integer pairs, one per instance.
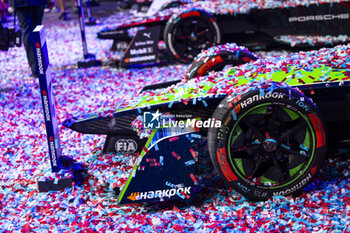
{"points": [[271, 145]]}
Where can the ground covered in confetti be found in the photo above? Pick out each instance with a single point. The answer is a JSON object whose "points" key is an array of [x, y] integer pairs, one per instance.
{"points": [[91, 205]]}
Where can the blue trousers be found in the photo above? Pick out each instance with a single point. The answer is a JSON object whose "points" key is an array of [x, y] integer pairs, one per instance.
{"points": [[28, 18]]}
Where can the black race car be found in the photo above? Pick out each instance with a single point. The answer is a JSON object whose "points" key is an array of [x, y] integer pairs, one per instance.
{"points": [[265, 134], [187, 28]]}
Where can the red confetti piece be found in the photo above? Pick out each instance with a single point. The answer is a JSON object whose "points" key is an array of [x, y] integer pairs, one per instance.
{"points": [[176, 155], [193, 178], [173, 139]]}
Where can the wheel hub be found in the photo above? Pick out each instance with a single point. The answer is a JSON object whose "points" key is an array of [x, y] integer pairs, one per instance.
{"points": [[270, 144], [193, 37]]}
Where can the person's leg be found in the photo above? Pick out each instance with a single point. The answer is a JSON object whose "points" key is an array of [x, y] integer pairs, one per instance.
{"points": [[37, 15], [26, 24], [62, 5], [3, 9], [64, 14]]}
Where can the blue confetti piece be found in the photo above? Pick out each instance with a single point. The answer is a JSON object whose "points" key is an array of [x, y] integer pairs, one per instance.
{"points": [[171, 185], [234, 115], [189, 138], [196, 135], [190, 162], [139, 110], [285, 146], [303, 147], [180, 195], [170, 104], [237, 53], [194, 101], [262, 92], [204, 103], [290, 94], [161, 160], [156, 147]]}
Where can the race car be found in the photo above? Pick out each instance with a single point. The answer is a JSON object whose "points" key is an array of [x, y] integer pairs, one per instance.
{"points": [[187, 28], [265, 122]]}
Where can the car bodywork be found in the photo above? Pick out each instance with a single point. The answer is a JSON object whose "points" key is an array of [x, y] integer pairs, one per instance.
{"points": [[165, 169]]}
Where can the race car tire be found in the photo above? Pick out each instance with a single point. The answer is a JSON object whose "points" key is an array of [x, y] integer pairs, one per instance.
{"points": [[216, 58], [271, 142], [188, 33]]}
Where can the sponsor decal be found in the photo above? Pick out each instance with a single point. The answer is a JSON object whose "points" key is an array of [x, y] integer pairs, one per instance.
{"points": [[46, 106], [141, 51], [40, 62], [165, 193], [139, 59], [153, 120], [147, 34], [122, 45], [295, 187], [319, 17], [260, 194], [144, 43], [301, 104], [225, 167], [126, 146], [257, 97], [143, 48], [53, 151], [243, 188]]}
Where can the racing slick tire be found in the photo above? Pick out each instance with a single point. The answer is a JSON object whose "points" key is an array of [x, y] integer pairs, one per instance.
{"points": [[188, 33], [271, 142], [216, 58]]}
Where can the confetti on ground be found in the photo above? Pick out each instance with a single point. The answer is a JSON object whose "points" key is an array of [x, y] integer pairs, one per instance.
{"points": [[91, 205]]}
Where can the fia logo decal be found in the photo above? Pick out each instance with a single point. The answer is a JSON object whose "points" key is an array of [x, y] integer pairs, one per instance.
{"points": [[126, 146]]}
